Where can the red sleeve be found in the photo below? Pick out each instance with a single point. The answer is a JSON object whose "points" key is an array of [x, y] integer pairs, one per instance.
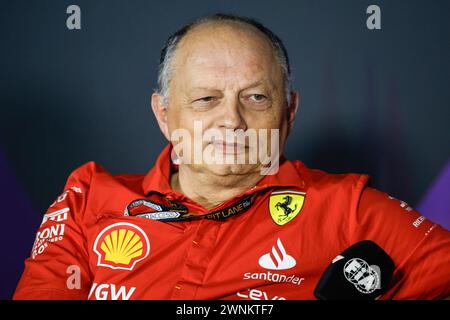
{"points": [[419, 248], [58, 264]]}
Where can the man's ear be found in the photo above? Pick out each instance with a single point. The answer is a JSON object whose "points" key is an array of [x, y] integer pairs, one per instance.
{"points": [[292, 109], [160, 111]]}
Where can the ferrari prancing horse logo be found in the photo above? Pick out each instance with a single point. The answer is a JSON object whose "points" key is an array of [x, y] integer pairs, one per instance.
{"points": [[285, 205]]}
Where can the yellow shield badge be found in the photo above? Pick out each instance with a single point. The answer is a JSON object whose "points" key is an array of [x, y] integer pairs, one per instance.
{"points": [[285, 205]]}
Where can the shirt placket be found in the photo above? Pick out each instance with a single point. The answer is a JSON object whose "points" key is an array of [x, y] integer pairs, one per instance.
{"points": [[199, 254]]}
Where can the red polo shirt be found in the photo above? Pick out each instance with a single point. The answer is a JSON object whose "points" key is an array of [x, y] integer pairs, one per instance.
{"points": [[97, 241]]}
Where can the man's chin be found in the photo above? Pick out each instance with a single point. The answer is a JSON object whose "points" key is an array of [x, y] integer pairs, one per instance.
{"points": [[225, 170]]}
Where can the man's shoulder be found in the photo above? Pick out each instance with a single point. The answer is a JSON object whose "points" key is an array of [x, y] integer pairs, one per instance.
{"points": [[93, 191], [320, 177], [92, 173]]}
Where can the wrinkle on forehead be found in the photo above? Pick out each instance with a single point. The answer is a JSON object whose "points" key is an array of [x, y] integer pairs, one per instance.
{"points": [[225, 54]]}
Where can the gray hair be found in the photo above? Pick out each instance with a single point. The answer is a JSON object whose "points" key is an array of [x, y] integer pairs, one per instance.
{"points": [[165, 70]]}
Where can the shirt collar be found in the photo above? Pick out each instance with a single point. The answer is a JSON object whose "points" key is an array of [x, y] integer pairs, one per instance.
{"points": [[158, 178]]}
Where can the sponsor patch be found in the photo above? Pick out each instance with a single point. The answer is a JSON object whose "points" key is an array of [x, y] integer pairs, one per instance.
{"points": [[50, 234], [285, 205], [109, 291], [255, 294], [121, 246], [278, 259], [46, 236], [57, 216], [63, 196]]}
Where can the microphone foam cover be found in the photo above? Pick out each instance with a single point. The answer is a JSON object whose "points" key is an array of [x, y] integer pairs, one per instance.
{"points": [[361, 272]]}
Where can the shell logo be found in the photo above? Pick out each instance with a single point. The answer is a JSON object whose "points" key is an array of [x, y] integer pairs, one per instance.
{"points": [[121, 246]]}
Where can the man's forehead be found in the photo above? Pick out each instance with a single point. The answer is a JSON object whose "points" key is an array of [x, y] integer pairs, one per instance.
{"points": [[223, 44], [204, 85], [223, 52], [246, 74], [219, 29]]}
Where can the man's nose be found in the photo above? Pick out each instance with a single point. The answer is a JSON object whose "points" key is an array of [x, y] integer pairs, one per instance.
{"points": [[231, 115]]}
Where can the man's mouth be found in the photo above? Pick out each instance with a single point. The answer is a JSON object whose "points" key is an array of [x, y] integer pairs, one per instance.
{"points": [[229, 147]]}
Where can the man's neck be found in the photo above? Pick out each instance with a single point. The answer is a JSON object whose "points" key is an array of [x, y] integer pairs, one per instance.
{"points": [[210, 190]]}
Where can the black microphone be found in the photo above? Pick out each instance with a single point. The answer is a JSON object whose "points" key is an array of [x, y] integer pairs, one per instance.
{"points": [[361, 272]]}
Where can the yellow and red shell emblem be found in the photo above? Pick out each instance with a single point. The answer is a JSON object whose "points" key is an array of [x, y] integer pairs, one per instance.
{"points": [[121, 246]]}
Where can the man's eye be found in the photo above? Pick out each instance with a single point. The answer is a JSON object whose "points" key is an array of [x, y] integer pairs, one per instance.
{"points": [[258, 98], [206, 99]]}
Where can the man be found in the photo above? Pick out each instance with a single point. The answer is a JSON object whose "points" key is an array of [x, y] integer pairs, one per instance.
{"points": [[202, 225]]}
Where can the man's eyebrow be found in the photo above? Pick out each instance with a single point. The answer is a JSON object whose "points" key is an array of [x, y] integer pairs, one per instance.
{"points": [[257, 83]]}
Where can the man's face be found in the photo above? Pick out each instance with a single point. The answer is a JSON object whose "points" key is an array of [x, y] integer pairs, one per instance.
{"points": [[226, 78]]}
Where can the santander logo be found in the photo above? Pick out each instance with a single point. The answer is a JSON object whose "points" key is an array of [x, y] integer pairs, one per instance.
{"points": [[278, 259]]}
